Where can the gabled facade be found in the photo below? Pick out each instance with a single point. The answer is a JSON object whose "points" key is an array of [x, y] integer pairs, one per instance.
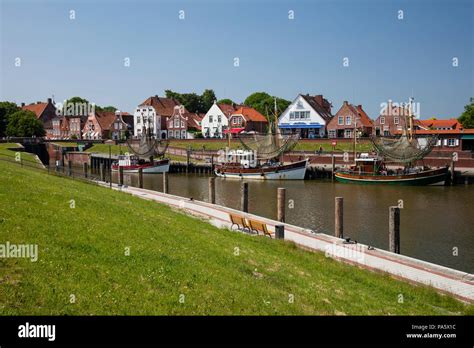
{"points": [[151, 116], [306, 115], [247, 119], [183, 124], [216, 120], [98, 125], [348, 118]]}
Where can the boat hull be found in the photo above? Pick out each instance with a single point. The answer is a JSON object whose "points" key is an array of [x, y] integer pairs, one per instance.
{"points": [[157, 167], [293, 171], [427, 177]]}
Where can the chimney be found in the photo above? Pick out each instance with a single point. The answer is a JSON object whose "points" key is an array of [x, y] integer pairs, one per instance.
{"points": [[38, 102], [22, 104], [359, 107], [50, 100], [345, 102]]}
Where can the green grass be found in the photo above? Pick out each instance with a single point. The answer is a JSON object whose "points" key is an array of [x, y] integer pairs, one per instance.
{"points": [[82, 253], [65, 144], [104, 148], [8, 151]]}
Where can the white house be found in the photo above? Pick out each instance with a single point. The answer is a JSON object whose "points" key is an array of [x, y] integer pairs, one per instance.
{"points": [[216, 120], [152, 115], [306, 115]]}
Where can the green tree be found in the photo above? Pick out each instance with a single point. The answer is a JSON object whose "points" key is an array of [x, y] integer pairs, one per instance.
{"points": [[23, 123], [225, 101], [207, 99], [467, 117], [265, 103], [109, 108], [6, 109]]}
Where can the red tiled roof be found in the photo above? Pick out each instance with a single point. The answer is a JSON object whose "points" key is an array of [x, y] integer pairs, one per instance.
{"points": [[105, 119], [193, 120], [250, 114], [363, 117], [451, 123], [37, 108], [228, 109], [163, 106]]}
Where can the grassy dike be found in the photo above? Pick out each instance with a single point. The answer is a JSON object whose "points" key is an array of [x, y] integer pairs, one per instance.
{"points": [[82, 253]]}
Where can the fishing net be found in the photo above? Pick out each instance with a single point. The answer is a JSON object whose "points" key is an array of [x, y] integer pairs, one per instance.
{"points": [[147, 147], [403, 149], [269, 146]]}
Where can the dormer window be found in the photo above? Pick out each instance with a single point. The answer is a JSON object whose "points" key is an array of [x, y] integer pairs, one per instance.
{"points": [[382, 120]]}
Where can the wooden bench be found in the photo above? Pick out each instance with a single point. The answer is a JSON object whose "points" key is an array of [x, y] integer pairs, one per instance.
{"points": [[240, 222], [258, 226]]}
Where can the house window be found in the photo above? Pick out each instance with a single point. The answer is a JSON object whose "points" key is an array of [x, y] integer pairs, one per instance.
{"points": [[347, 133], [451, 142], [292, 115], [182, 124], [396, 120], [297, 115], [219, 118], [138, 119], [348, 120], [382, 120], [340, 120], [234, 120], [210, 119], [176, 123], [332, 133]]}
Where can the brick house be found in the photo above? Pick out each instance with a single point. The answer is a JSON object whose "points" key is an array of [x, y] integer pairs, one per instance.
{"points": [[346, 119], [183, 124], [67, 127], [247, 119], [152, 115], [98, 125], [392, 119], [45, 112]]}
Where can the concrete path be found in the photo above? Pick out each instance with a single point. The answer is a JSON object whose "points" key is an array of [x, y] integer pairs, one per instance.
{"points": [[458, 284]]}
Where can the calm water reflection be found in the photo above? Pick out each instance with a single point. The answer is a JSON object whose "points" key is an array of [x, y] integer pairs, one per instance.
{"points": [[433, 222]]}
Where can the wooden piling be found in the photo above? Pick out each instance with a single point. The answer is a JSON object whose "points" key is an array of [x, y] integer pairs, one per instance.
{"points": [[244, 197], [69, 168], [281, 194], [165, 182], [339, 216], [85, 169], [394, 229], [140, 177], [120, 175], [452, 170], [102, 172], [333, 166], [212, 190], [280, 232]]}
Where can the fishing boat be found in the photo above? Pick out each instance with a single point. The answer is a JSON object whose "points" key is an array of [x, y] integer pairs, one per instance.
{"points": [[132, 164], [260, 158], [370, 170], [143, 154], [395, 161]]}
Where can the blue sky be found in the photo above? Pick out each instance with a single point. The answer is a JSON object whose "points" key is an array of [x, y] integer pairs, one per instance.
{"points": [[388, 58]]}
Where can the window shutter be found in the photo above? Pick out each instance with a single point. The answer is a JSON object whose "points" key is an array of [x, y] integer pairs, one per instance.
{"points": [[445, 142], [456, 142]]}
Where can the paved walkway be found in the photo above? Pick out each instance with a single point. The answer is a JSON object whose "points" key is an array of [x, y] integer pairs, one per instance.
{"points": [[447, 280]]}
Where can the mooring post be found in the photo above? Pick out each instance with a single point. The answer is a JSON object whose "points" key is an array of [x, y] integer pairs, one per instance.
{"points": [[140, 177], [85, 169], [69, 167], [165, 182], [244, 197], [212, 190], [280, 232], [120, 175], [452, 172], [212, 163], [338, 223], [333, 163], [394, 229], [188, 154], [102, 172], [281, 193]]}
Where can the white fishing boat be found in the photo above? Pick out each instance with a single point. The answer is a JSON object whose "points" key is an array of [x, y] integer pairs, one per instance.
{"points": [[132, 164]]}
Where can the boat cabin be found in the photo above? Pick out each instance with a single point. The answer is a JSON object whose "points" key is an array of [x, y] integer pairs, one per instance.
{"points": [[244, 158], [128, 160], [366, 164]]}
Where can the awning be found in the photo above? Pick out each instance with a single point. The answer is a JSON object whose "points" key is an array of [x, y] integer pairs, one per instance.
{"points": [[234, 130], [300, 125], [467, 137]]}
